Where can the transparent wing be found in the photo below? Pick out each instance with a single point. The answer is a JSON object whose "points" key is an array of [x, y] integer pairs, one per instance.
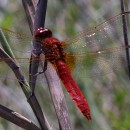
{"points": [[99, 51], [19, 43], [106, 35], [89, 54], [95, 65]]}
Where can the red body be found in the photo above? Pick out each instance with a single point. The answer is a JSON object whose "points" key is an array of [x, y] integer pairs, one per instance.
{"points": [[55, 54]]}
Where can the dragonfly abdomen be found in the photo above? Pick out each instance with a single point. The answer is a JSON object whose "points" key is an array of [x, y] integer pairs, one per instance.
{"points": [[73, 89]]}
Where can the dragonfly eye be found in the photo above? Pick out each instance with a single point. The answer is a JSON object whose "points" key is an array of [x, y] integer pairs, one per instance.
{"points": [[42, 33]]}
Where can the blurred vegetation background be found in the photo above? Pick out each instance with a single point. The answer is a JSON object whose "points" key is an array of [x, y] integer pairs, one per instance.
{"points": [[108, 96]]}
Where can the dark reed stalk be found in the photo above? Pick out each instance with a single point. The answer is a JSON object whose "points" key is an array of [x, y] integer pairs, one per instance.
{"points": [[30, 7], [125, 34]]}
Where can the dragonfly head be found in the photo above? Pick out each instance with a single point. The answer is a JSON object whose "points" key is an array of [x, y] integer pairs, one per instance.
{"points": [[42, 33]]}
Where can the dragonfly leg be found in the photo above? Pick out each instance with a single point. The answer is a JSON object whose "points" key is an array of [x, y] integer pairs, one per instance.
{"points": [[44, 69]]}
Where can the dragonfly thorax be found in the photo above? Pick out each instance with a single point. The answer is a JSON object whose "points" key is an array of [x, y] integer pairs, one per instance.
{"points": [[52, 49]]}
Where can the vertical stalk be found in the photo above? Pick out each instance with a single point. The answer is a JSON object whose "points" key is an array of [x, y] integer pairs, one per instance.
{"points": [[30, 7], [125, 35], [39, 21]]}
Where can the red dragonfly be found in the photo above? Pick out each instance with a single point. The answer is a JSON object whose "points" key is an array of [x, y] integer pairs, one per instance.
{"points": [[90, 53]]}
